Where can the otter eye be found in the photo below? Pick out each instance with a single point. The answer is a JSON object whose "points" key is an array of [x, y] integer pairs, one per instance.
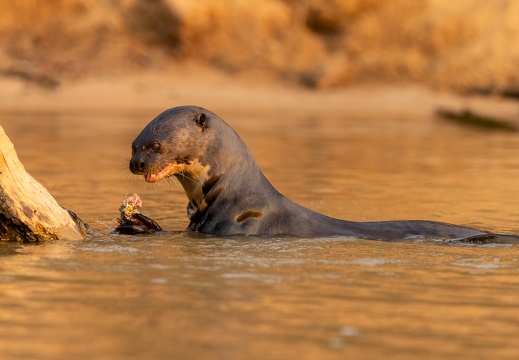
{"points": [[155, 146]]}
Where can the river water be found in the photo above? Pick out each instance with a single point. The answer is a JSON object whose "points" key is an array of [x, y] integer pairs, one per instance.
{"points": [[180, 295]]}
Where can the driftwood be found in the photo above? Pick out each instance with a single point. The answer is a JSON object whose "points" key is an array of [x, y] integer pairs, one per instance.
{"points": [[473, 119], [27, 211]]}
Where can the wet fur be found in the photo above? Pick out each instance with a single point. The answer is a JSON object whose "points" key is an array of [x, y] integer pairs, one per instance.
{"points": [[228, 194]]}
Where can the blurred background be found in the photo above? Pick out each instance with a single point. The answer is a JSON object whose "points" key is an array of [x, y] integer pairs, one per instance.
{"points": [[338, 102], [462, 45]]}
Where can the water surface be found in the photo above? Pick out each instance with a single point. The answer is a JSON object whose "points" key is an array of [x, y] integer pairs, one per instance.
{"points": [[188, 296]]}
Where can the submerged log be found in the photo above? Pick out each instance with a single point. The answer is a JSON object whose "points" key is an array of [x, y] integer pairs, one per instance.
{"points": [[473, 119], [27, 211]]}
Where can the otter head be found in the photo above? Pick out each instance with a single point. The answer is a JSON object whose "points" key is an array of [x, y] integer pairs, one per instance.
{"points": [[171, 144]]}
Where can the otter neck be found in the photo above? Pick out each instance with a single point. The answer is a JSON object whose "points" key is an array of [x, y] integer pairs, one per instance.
{"points": [[192, 177]]}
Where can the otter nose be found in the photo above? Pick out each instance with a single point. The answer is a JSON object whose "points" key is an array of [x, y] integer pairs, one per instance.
{"points": [[137, 166]]}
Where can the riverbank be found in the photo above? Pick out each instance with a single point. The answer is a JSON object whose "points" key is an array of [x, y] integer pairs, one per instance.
{"points": [[155, 90]]}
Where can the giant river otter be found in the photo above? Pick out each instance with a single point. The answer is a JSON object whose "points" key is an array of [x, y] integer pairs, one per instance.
{"points": [[228, 194]]}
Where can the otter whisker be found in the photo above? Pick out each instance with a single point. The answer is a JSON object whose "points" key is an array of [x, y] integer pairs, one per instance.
{"points": [[185, 176], [200, 181], [172, 183]]}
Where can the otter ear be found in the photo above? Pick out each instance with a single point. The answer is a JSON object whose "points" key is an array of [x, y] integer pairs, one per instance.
{"points": [[200, 120]]}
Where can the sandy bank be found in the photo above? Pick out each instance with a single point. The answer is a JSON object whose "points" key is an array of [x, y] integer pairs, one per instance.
{"points": [[155, 90]]}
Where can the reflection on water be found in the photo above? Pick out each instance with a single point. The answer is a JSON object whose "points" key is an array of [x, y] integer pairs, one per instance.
{"points": [[186, 296]]}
